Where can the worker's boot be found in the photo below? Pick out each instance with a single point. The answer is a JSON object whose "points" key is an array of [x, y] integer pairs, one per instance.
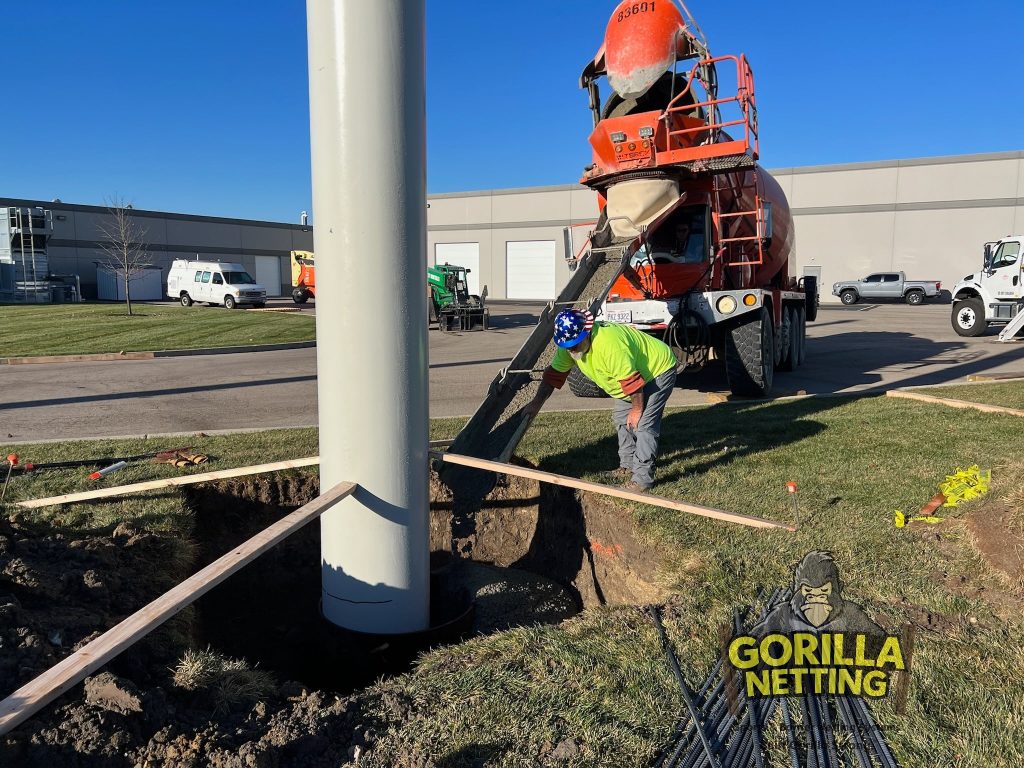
{"points": [[620, 474], [634, 487]]}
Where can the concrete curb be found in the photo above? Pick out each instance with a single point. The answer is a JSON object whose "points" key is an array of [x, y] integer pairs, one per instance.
{"points": [[116, 356]]}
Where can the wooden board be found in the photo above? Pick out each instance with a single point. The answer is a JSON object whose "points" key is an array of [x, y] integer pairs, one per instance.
{"points": [[169, 482], [37, 693], [607, 490], [953, 403]]}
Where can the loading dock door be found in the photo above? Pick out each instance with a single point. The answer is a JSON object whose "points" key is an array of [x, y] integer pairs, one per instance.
{"points": [[461, 255], [530, 269], [268, 274]]}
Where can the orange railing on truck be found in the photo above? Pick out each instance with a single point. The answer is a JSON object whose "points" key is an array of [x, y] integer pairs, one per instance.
{"points": [[676, 148]]}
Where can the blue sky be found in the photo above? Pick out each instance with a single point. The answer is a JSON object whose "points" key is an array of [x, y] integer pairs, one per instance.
{"points": [[201, 107]]}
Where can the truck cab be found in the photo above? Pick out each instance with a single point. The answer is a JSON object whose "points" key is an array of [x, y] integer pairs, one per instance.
{"points": [[994, 294]]}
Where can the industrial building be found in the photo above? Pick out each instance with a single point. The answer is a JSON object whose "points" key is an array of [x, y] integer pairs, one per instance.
{"points": [[928, 217], [72, 242]]}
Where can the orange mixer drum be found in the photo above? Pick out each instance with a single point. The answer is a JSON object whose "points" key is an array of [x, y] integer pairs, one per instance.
{"points": [[641, 43]]}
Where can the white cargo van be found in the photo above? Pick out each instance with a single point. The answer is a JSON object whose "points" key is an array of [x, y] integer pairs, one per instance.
{"points": [[213, 282]]}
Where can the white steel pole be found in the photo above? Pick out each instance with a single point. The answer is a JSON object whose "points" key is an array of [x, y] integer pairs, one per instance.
{"points": [[367, 97]]}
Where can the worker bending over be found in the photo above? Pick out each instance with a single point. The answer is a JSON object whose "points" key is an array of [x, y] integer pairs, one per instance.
{"points": [[638, 370]]}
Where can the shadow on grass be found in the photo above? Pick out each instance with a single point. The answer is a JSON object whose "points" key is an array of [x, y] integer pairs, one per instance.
{"points": [[473, 756], [706, 440]]}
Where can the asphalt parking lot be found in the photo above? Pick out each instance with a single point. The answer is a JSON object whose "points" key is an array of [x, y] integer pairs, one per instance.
{"points": [[850, 349]]}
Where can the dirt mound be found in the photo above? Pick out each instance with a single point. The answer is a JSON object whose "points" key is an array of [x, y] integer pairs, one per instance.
{"points": [[59, 589]]}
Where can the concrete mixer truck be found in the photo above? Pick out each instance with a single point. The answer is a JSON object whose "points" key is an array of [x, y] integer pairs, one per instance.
{"points": [[694, 238], [675, 148]]}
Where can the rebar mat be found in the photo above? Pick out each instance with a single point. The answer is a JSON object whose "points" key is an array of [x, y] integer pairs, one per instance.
{"points": [[816, 730]]}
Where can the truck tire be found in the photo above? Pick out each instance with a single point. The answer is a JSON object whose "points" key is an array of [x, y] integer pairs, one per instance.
{"points": [[185, 299], [811, 298], [914, 298], [750, 355], [581, 386], [969, 317], [229, 302], [848, 297], [789, 340], [801, 336], [300, 296]]}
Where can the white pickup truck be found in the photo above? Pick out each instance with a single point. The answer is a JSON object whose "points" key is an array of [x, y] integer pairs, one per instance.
{"points": [[887, 285], [993, 295]]}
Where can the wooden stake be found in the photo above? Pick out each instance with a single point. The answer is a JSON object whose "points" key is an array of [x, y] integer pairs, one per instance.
{"points": [[903, 682], [728, 670], [953, 403], [168, 482], [37, 693], [607, 490]]}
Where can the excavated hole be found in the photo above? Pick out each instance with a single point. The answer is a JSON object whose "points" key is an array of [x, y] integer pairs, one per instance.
{"points": [[529, 554], [582, 542]]}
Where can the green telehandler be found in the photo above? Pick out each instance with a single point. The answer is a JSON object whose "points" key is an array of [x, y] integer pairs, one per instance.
{"points": [[451, 304]]}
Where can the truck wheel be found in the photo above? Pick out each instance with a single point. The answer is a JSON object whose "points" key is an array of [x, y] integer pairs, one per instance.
{"points": [[299, 296], [915, 298], [581, 386], [750, 356], [801, 336], [848, 297], [969, 317], [811, 298], [789, 340], [229, 302], [186, 300]]}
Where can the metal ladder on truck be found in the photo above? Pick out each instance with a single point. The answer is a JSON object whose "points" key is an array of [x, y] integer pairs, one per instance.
{"points": [[1013, 326]]}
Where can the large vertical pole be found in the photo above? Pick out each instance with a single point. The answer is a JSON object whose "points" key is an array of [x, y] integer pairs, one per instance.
{"points": [[367, 98]]}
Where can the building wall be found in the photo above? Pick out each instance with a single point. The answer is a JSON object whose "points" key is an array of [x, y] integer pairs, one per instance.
{"points": [[928, 217], [74, 248]]}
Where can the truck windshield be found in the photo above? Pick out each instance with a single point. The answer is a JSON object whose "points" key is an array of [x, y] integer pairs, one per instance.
{"points": [[680, 241], [1007, 255], [238, 278]]}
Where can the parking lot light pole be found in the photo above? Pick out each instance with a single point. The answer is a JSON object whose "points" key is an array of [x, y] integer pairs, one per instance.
{"points": [[367, 99]]}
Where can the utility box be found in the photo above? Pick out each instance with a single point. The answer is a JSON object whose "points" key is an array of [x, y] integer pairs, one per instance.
{"points": [[147, 285]]}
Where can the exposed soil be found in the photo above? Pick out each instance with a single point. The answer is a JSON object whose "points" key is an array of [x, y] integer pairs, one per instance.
{"points": [[990, 530], [60, 588], [999, 542], [530, 554]]}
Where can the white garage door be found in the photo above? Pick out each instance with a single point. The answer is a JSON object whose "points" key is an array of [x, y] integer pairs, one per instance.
{"points": [[268, 274], [530, 269], [461, 255]]}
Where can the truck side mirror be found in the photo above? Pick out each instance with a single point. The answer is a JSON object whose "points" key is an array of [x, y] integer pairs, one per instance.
{"points": [[988, 255]]}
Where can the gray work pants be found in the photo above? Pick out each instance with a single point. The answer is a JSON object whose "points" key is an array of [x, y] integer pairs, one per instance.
{"points": [[639, 448]]}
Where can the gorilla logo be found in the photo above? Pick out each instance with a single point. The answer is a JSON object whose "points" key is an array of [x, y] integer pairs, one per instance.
{"points": [[816, 603]]}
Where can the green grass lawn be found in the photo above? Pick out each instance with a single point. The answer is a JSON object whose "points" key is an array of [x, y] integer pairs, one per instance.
{"points": [[601, 678], [72, 329], [1008, 394]]}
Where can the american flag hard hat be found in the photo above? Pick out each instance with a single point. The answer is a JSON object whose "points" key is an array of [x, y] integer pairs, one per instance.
{"points": [[571, 327]]}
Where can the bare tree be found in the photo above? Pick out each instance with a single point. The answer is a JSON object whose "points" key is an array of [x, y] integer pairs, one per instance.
{"points": [[124, 246]]}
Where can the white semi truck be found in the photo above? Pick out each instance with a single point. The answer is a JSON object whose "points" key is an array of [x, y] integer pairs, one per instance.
{"points": [[993, 295]]}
